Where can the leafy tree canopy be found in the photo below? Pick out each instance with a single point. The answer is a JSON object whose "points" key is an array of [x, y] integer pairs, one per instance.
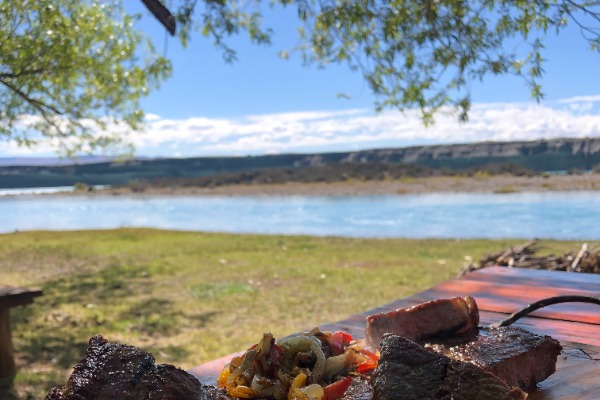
{"points": [[412, 53], [70, 71], [69, 68]]}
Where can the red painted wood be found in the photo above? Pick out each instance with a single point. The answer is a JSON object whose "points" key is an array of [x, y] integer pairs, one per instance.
{"points": [[208, 373], [512, 294], [536, 278], [510, 298]]}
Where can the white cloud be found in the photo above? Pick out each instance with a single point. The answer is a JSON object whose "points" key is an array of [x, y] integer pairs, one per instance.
{"points": [[10, 149], [350, 129], [581, 104], [315, 131], [577, 99], [152, 117]]}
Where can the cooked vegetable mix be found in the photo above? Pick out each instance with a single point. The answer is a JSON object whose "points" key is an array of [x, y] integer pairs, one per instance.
{"points": [[311, 366]]}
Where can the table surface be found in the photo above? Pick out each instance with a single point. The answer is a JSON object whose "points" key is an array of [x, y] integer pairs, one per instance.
{"points": [[499, 292], [11, 296]]}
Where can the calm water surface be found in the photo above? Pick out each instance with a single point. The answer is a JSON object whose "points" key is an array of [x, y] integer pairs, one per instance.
{"points": [[573, 215]]}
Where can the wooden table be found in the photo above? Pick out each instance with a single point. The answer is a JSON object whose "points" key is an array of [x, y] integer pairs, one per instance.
{"points": [[11, 297], [499, 292]]}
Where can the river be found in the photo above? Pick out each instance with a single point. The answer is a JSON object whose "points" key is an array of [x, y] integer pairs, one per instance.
{"points": [[557, 215]]}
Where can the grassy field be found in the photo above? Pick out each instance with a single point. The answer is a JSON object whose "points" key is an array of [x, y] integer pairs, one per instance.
{"points": [[191, 297]]}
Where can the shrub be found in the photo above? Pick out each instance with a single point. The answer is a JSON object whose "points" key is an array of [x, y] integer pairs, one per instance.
{"points": [[81, 187]]}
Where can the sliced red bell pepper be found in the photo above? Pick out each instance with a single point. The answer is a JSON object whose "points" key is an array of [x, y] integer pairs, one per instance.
{"points": [[369, 364], [338, 341], [337, 389]]}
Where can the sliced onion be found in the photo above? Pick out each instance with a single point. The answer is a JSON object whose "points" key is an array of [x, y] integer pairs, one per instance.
{"points": [[314, 391], [336, 365], [303, 343], [267, 388], [244, 372], [296, 344]]}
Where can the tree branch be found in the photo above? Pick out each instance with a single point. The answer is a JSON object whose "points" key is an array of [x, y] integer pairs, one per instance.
{"points": [[22, 73], [40, 105], [162, 14]]}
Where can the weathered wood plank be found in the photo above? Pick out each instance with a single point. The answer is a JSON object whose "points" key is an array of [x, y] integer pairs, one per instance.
{"points": [[536, 278], [7, 361], [574, 278], [507, 299], [510, 295], [576, 376], [11, 296]]}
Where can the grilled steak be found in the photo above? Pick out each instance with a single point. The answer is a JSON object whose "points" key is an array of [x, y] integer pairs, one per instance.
{"points": [[209, 392], [117, 371], [408, 371], [519, 357], [360, 389], [444, 318]]}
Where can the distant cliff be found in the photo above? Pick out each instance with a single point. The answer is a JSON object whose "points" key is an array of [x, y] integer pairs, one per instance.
{"points": [[541, 155]]}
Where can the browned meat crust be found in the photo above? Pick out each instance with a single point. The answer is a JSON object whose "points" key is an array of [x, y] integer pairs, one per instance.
{"points": [[519, 357], [117, 371], [408, 371], [360, 389]]}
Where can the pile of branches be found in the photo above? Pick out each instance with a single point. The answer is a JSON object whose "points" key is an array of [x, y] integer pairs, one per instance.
{"points": [[524, 256]]}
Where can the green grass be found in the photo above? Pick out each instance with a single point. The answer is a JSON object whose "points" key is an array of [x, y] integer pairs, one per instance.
{"points": [[191, 297]]}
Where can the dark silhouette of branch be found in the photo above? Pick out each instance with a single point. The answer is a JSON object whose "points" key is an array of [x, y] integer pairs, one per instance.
{"points": [[22, 73], [544, 303], [162, 14]]}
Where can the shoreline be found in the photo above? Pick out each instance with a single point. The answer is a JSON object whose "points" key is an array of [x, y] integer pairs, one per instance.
{"points": [[498, 184], [484, 184]]}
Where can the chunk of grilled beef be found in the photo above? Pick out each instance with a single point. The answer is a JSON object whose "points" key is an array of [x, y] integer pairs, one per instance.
{"points": [[360, 389], [519, 357], [457, 317], [117, 371], [408, 371], [209, 392]]}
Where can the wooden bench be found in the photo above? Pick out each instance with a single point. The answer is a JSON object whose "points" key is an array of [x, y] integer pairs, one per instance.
{"points": [[11, 297], [500, 292]]}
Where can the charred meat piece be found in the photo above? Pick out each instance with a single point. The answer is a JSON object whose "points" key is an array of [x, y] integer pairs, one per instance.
{"points": [[519, 357], [360, 389], [455, 317], [209, 392], [117, 371], [408, 371]]}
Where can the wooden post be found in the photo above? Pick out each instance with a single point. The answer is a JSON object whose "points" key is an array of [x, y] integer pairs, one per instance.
{"points": [[7, 360]]}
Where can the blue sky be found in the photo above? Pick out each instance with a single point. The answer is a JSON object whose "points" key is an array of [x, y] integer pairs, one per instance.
{"points": [[263, 104]]}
